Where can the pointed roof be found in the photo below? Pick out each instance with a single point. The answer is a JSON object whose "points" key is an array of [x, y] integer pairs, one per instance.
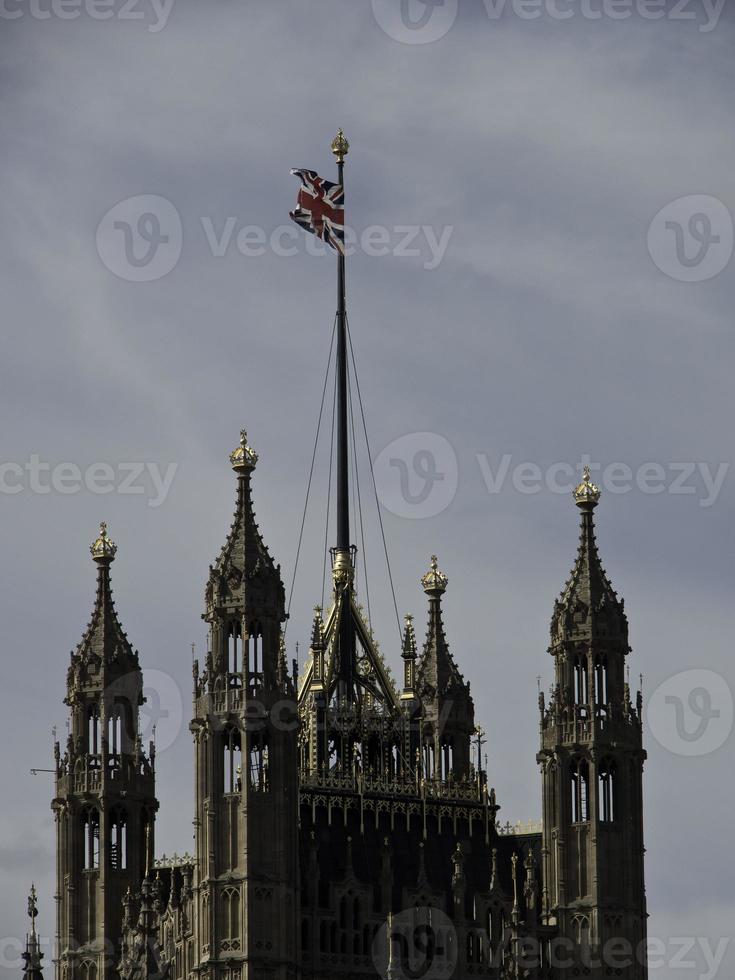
{"points": [[104, 643], [244, 556], [317, 630], [32, 969], [408, 649], [437, 670], [282, 676], [588, 597], [373, 674]]}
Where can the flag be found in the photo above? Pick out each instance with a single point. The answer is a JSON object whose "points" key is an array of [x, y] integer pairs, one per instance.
{"points": [[320, 208]]}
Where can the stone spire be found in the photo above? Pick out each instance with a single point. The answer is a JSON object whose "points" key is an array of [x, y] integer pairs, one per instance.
{"points": [[285, 682], [408, 655], [408, 651], [437, 671], [588, 598], [317, 650], [244, 557], [104, 642], [448, 714], [32, 969]]}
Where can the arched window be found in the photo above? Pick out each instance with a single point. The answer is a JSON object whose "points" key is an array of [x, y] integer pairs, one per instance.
{"points": [[581, 686], [259, 763], [115, 732], [231, 913], [580, 790], [255, 657], [607, 789], [118, 839], [601, 693], [205, 920], [493, 931], [429, 760], [93, 729], [232, 761], [447, 757], [581, 926], [234, 654], [91, 838]]}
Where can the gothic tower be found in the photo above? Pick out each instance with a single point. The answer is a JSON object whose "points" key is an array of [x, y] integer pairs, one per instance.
{"points": [[105, 800], [591, 760], [448, 714], [245, 734]]}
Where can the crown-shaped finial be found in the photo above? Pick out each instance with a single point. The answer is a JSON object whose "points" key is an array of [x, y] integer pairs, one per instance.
{"points": [[586, 494], [244, 457], [340, 146], [103, 549], [434, 581]]}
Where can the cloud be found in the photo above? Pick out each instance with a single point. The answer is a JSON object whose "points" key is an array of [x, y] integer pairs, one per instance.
{"points": [[546, 331]]}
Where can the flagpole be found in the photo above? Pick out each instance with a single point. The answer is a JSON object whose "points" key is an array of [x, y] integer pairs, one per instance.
{"points": [[342, 570], [340, 148]]}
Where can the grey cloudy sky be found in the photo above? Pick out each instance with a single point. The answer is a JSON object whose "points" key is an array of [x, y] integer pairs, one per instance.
{"points": [[544, 331]]}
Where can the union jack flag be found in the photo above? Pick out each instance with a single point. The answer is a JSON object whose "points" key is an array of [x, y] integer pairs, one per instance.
{"points": [[320, 208]]}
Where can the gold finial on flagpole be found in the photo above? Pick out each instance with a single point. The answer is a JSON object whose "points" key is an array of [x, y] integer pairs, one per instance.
{"points": [[340, 146]]}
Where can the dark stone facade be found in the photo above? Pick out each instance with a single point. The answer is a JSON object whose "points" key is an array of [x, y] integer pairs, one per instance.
{"points": [[344, 823]]}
